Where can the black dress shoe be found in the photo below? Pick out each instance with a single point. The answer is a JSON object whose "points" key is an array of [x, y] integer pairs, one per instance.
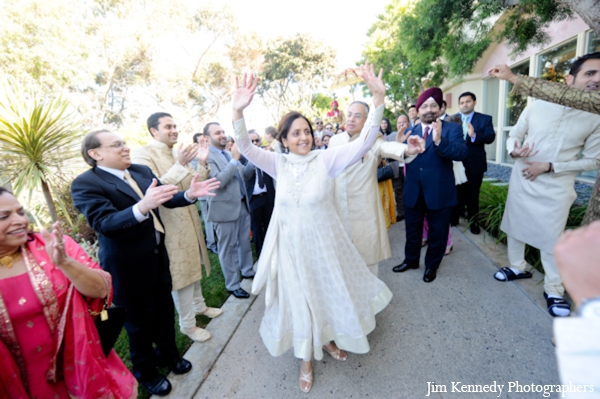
{"points": [[180, 366], [429, 275], [475, 229], [158, 386], [240, 293], [404, 266]]}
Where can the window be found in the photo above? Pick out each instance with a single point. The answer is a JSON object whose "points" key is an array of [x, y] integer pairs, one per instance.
{"points": [[555, 64], [593, 43], [515, 104]]}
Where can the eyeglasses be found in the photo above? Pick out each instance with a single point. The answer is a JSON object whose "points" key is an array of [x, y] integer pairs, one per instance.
{"points": [[256, 140], [116, 144]]}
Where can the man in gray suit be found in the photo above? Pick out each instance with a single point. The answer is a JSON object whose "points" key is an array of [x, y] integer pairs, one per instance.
{"points": [[229, 210]]}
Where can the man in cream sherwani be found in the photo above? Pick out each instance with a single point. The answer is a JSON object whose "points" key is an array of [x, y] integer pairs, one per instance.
{"points": [[359, 205], [183, 232], [546, 143]]}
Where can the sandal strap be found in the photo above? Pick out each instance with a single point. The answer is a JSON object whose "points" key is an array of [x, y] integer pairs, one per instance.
{"points": [[306, 377]]}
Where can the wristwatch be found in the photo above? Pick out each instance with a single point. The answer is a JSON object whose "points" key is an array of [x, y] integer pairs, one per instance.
{"points": [[590, 308]]}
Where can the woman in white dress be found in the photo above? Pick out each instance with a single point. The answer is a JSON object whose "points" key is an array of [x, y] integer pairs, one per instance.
{"points": [[319, 296]]}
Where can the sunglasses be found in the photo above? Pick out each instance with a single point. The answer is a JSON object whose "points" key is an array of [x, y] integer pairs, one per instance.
{"points": [[256, 141]]}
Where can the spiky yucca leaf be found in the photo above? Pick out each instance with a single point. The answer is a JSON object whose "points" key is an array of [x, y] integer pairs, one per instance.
{"points": [[37, 139]]}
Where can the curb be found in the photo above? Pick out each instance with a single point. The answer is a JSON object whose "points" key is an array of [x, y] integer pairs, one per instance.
{"points": [[204, 355]]}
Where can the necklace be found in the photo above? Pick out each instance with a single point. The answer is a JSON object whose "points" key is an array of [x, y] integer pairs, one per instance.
{"points": [[9, 260]]}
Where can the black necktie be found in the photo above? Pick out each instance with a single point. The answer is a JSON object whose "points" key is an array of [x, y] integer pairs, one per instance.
{"points": [[261, 181]]}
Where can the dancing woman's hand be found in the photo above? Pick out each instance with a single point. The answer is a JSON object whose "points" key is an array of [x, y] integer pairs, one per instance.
{"points": [[373, 82], [242, 96]]}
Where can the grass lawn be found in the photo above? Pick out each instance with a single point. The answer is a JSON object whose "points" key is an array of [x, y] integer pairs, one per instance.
{"points": [[215, 294]]}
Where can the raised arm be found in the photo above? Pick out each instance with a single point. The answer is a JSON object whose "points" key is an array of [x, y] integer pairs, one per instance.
{"points": [[265, 160], [242, 97]]}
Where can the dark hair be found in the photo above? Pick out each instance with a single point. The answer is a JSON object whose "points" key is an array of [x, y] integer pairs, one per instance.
{"points": [[90, 141], [271, 131], [453, 119], [5, 190], [283, 128], [207, 126], [388, 130], [364, 104], [467, 93], [578, 63], [444, 103], [195, 138], [412, 106], [154, 120]]}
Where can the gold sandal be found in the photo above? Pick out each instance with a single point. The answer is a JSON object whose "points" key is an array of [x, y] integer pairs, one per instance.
{"points": [[308, 378], [337, 354]]}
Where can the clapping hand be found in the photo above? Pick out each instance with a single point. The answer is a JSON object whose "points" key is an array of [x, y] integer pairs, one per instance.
{"points": [[373, 82], [243, 94], [155, 196], [235, 152], [186, 154], [203, 188], [437, 131], [202, 155], [416, 145], [523, 152], [471, 130], [55, 244]]}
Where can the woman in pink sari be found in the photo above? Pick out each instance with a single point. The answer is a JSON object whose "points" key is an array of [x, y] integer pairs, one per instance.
{"points": [[49, 345]]}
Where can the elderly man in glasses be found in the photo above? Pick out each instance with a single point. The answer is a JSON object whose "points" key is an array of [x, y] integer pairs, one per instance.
{"points": [[319, 130]]}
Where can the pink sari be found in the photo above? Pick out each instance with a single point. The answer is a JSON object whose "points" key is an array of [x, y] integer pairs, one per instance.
{"points": [[54, 317]]}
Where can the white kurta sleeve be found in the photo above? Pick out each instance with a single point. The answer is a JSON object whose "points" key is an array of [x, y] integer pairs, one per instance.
{"points": [[265, 160], [337, 159], [589, 156], [390, 149]]}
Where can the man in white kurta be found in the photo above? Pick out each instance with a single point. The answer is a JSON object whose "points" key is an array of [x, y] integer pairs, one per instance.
{"points": [[357, 198], [183, 232], [541, 189]]}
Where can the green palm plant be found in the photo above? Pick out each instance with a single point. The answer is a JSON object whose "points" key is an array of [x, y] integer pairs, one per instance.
{"points": [[38, 139]]}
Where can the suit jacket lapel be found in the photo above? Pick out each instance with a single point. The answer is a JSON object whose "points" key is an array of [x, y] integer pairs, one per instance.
{"points": [[219, 159], [120, 185]]}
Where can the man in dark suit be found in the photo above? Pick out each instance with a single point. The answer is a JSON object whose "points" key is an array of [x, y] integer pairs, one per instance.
{"points": [[229, 210], [120, 201], [261, 192], [429, 185], [478, 131]]}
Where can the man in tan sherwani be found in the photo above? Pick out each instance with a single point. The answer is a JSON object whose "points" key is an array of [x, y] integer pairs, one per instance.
{"points": [[183, 232], [359, 204], [546, 143]]}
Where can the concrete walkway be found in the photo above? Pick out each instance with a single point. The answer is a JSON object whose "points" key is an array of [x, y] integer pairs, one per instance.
{"points": [[464, 328]]}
